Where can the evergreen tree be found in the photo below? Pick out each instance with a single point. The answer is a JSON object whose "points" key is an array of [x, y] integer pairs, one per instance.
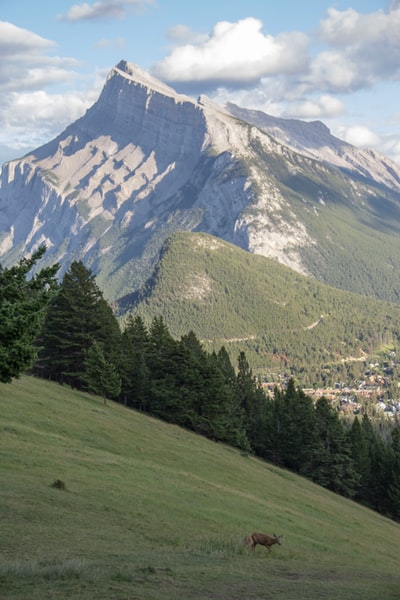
{"points": [[219, 415], [77, 316], [164, 361], [100, 375], [23, 302], [373, 490], [334, 466], [382, 488], [361, 456], [393, 488], [194, 346], [290, 438], [299, 441], [226, 367], [235, 428], [251, 399], [135, 373], [273, 428]]}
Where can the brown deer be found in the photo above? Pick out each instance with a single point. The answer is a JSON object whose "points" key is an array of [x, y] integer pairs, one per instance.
{"points": [[263, 540]]}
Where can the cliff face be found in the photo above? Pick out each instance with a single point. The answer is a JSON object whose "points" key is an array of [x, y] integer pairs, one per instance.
{"points": [[106, 176], [145, 161]]}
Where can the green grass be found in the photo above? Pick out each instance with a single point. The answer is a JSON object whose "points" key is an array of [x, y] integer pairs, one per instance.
{"points": [[152, 511]]}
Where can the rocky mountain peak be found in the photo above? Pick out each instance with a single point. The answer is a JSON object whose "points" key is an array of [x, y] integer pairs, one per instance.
{"points": [[145, 161], [138, 76]]}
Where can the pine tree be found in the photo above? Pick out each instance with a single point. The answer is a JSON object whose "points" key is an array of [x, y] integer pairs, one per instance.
{"points": [[273, 428], [235, 420], [226, 367], [23, 302], [100, 375], [245, 390], [393, 488], [76, 317], [164, 362], [361, 456], [135, 373], [334, 466], [299, 441], [373, 490]]}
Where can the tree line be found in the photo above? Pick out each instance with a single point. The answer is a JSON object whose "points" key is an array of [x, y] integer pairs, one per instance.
{"points": [[78, 342]]}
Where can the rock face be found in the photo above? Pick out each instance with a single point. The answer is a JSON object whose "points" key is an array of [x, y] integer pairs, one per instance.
{"points": [[145, 161], [315, 140]]}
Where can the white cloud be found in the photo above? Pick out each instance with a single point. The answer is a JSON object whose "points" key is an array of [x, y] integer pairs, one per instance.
{"points": [[235, 53], [273, 97], [24, 62], [104, 9], [364, 49], [354, 51], [360, 136], [323, 107], [335, 71], [391, 147], [41, 106], [33, 118], [16, 42], [30, 116]]}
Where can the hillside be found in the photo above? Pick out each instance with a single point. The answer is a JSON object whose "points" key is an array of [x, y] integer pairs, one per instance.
{"points": [[152, 511], [280, 318]]}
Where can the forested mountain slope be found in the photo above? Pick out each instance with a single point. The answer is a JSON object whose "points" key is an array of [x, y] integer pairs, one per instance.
{"points": [[282, 319]]}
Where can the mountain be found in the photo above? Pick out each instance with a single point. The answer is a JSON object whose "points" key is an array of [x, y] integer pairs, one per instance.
{"points": [[145, 161], [283, 320], [315, 140]]}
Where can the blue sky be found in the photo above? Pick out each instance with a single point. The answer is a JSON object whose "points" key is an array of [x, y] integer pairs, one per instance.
{"points": [[336, 61]]}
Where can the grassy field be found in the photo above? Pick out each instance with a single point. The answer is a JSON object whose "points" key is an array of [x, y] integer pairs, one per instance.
{"points": [[151, 511]]}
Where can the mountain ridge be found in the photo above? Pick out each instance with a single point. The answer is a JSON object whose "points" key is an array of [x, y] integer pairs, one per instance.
{"points": [[145, 161], [316, 141]]}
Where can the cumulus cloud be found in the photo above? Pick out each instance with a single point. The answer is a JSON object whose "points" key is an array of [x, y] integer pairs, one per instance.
{"points": [[364, 49], [391, 147], [16, 42], [31, 119], [29, 116], [316, 108], [25, 63], [351, 51], [361, 136], [335, 71], [235, 53], [291, 74], [104, 9], [40, 107]]}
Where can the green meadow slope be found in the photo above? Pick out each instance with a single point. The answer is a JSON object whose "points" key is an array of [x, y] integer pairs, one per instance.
{"points": [[152, 511]]}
